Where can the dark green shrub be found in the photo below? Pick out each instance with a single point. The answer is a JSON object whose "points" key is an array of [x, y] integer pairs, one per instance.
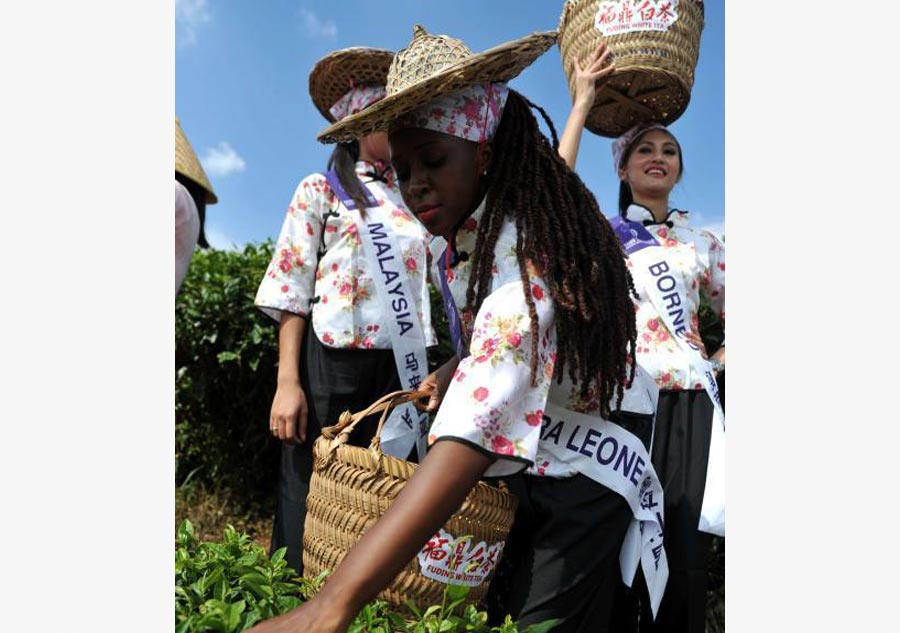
{"points": [[231, 585], [225, 363]]}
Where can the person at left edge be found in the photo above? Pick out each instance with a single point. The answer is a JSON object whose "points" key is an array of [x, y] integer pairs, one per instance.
{"points": [[334, 348], [192, 193]]}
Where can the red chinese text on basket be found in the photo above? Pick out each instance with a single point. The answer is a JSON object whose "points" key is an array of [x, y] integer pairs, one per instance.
{"points": [[447, 559]]}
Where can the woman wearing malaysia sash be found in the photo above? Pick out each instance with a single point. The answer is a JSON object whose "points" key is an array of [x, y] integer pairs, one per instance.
{"points": [[335, 347], [673, 265], [544, 333]]}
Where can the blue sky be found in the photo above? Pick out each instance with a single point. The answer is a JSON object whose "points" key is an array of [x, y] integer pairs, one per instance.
{"points": [[241, 77]]}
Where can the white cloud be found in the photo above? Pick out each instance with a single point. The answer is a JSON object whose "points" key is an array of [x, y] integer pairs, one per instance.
{"points": [[222, 160], [316, 26], [189, 16], [216, 236]]}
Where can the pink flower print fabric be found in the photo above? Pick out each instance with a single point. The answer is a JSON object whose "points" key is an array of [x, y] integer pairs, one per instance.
{"points": [[355, 100], [472, 113], [335, 285], [491, 403]]}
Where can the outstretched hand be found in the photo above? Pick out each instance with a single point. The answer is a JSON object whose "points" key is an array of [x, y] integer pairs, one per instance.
{"points": [[315, 616], [589, 79]]}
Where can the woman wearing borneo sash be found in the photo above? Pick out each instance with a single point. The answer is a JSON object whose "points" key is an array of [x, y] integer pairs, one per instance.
{"points": [[673, 265], [541, 391], [337, 347]]}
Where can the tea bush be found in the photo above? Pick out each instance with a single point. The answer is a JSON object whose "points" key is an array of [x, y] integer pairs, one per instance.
{"points": [[228, 586]]}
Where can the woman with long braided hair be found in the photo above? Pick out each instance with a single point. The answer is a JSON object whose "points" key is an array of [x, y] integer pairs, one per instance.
{"points": [[594, 319], [542, 392]]}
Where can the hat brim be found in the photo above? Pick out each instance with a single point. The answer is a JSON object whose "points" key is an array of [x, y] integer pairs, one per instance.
{"points": [[188, 165], [498, 64], [334, 74]]}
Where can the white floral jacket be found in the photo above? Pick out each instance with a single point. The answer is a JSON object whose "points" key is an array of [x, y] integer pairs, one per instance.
{"points": [[490, 403], [700, 258], [319, 266]]}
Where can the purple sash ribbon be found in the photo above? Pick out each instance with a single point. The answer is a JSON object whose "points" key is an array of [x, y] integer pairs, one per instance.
{"points": [[453, 320], [350, 203], [632, 235]]}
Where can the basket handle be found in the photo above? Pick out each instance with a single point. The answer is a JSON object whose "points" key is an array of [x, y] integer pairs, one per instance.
{"points": [[348, 421], [340, 432]]}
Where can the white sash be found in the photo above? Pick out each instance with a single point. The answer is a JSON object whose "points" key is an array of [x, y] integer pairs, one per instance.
{"points": [[406, 425], [665, 288], [616, 458]]}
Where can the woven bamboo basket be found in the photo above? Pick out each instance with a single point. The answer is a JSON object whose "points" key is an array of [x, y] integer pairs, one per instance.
{"points": [[654, 68], [351, 487]]}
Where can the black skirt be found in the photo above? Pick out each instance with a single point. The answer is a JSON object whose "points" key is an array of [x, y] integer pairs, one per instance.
{"points": [[334, 381], [561, 559], [680, 454]]}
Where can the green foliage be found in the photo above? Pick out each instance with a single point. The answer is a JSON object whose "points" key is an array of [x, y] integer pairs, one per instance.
{"points": [[454, 616], [225, 361], [712, 330], [229, 586]]}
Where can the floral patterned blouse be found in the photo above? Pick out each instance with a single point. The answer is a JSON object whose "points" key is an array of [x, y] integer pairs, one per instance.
{"points": [[490, 403], [700, 258], [319, 266]]}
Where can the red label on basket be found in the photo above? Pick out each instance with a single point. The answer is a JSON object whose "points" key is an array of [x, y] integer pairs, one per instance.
{"points": [[448, 559], [615, 17]]}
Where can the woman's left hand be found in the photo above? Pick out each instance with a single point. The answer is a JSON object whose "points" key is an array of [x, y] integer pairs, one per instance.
{"points": [[437, 383], [694, 339]]}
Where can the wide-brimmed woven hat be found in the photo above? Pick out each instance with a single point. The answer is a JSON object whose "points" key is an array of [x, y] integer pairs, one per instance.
{"points": [[337, 72], [434, 65], [187, 164]]}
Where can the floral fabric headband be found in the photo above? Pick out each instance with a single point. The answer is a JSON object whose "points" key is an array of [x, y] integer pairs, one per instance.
{"points": [[356, 99], [472, 113], [622, 144]]}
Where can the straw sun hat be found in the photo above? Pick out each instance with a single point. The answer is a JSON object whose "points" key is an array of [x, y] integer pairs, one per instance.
{"points": [[433, 65], [187, 165], [337, 72]]}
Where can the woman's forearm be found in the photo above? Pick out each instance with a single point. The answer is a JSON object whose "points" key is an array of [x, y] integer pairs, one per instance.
{"points": [[290, 342], [571, 137]]}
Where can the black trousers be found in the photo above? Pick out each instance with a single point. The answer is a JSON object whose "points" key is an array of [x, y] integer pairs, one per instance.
{"points": [[334, 381], [561, 560], [680, 454]]}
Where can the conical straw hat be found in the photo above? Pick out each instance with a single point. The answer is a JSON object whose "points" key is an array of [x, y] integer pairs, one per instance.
{"points": [[337, 72], [434, 65], [187, 165]]}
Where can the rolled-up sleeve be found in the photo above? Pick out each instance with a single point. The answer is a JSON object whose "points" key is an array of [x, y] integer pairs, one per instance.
{"points": [[491, 403], [289, 282]]}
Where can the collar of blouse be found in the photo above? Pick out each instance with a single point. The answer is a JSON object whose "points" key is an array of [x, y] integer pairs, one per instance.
{"points": [[639, 213]]}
